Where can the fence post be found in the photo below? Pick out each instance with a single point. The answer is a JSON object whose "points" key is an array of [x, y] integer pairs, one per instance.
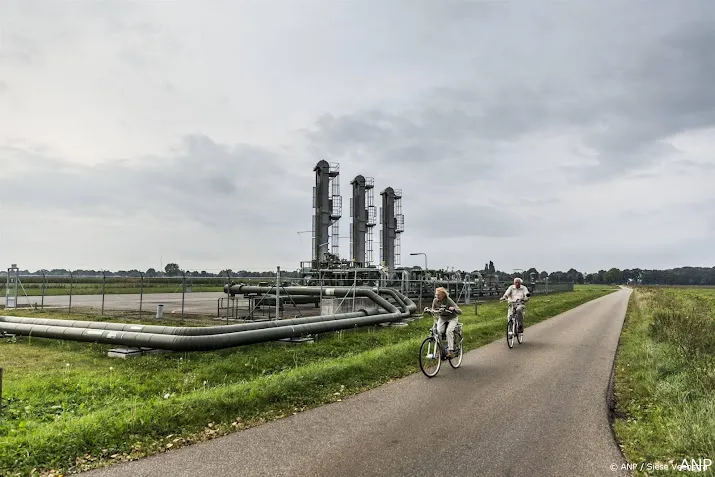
{"points": [[228, 294], [0, 388], [278, 292], [70, 306], [42, 305], [183, 293], [141, 293], [354, 289], [104, 282], [420, 286]]}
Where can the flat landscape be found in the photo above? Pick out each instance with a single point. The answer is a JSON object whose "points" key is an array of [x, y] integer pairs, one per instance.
{"points": [[78, 408]]}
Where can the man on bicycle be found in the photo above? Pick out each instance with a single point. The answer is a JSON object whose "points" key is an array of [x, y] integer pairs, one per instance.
{"points": [[447, 317], [515, 293]]}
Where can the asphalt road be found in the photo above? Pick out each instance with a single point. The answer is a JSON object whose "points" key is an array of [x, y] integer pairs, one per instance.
{"points": [[538, 409]]}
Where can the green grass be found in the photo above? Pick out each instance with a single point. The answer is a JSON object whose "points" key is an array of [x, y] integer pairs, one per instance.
{"points": [[72, 408], [665, 377]]}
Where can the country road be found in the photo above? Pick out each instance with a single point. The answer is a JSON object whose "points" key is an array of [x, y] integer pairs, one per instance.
{"points": [[538, 409]]}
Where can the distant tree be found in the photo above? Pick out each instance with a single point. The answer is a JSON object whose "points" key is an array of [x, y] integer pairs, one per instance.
{"points": [[492, 269], [572, 275], [613, 275], [150, 273], [543, 275], [172, 269]]}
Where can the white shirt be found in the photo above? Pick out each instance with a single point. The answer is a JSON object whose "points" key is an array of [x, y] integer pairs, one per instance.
{"points": [[513, 293]]}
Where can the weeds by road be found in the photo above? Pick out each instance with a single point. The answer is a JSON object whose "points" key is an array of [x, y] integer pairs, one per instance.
{"points": [[70, 408], [665, 377]]}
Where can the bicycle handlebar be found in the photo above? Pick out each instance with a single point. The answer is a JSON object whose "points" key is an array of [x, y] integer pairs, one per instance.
{"points": [[438, 310]]}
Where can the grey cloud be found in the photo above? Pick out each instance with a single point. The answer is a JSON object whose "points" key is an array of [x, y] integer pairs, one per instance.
{"points": [[19, 49], [621, 95], [437, 219], [201, 181]]}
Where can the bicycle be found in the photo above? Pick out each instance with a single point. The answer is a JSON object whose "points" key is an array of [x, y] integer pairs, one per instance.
{"points": [[434, 347], [511, 326]]}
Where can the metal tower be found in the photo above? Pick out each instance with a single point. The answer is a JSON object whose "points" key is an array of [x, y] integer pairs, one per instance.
{"points": [[399, 226], [327, 205], [389, 229], [362, 210]]}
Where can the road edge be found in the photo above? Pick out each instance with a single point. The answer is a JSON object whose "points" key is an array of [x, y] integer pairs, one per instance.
{"points": [[610, 395]]}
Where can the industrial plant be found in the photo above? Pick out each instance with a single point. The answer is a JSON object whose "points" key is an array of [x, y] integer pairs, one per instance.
{"points": [[331, 292]]}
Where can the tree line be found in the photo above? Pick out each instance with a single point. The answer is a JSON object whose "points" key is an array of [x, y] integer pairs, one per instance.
{"points": [[701, 276], [673, 276]]}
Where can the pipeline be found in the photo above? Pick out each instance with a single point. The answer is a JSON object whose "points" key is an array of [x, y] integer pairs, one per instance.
{"points": [[273, 330], [195, 343], [405, 303]]}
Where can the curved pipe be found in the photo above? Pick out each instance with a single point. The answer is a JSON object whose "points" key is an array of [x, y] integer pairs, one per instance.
{"points": [[406, 303], [194, 343]]}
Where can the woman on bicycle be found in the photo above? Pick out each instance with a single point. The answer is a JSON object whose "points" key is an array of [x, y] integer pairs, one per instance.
{"points": [[447, 318]]}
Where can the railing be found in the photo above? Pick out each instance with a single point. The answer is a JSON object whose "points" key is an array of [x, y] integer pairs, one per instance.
{"points": [[188, 295]]}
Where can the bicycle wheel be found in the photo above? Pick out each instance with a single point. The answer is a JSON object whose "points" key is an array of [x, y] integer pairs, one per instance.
{"points": [[457, 360], [510, 328], [519, 336], [430, 357]]}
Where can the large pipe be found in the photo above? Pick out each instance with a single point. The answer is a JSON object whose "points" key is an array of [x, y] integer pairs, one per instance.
{"points": [[179, 330], [407, 305], [198, 331], [194, 343]]}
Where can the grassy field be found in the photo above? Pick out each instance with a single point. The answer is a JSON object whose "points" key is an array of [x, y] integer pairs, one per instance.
{"points": [[70, 408], [665, 379]]}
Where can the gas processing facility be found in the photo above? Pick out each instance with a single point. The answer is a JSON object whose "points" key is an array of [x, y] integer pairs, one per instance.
{"points": [[361, 269], [331, 293]]}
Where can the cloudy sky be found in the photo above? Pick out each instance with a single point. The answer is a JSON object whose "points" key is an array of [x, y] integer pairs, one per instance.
{"points": [[538, 133]]}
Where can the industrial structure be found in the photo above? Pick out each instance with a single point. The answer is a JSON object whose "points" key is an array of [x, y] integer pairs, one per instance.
{"points": [[329, 269], [362, 211], [326, 265], [349, 292], [393, 225], [327, 207]]}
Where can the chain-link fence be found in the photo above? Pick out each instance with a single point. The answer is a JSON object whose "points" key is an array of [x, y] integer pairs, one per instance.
{"points": [[188, 297]]}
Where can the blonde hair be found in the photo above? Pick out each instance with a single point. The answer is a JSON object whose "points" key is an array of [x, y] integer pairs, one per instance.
{"points": [[443, 291]]}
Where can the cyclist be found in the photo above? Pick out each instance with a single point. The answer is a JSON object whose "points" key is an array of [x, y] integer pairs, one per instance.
{"points": [[447, 317], [514, 293]]}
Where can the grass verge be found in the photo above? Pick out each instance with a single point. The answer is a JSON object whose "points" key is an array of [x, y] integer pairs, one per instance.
{"points": [[664, 380], [71, 408]]}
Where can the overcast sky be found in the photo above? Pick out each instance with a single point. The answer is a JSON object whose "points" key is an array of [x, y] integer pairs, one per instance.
{"points": [[537, 133]]}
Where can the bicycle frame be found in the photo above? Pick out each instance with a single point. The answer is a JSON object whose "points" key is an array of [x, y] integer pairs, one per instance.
{"points": [[512, 325], [438, 338]]}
